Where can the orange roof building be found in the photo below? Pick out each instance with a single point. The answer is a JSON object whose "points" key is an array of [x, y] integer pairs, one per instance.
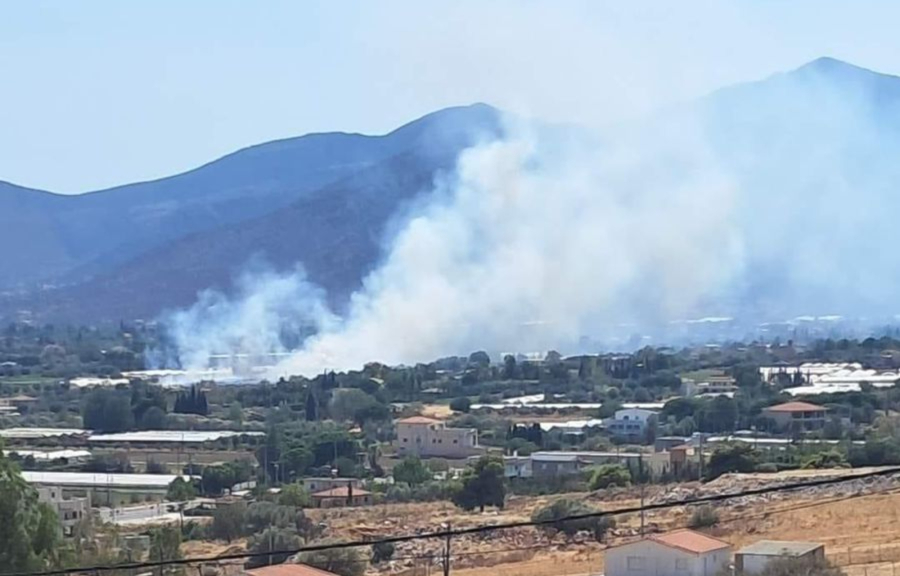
{"points": [[682, 552], [288, 570]]}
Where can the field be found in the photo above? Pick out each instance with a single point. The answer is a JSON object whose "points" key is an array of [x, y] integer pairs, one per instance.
{"points": [[861, 532]]}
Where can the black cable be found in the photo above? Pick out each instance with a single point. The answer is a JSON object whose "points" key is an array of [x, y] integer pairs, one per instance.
{"points": [[474, 529]]}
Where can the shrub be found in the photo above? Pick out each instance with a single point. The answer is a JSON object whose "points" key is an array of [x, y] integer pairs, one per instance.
{"points": [[382, 552], [566, 508], [461, 404], [704, 517], [341, 561], [609, 475]]}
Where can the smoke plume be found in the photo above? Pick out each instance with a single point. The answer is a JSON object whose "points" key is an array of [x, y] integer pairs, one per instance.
{"points": [[763, 201]]}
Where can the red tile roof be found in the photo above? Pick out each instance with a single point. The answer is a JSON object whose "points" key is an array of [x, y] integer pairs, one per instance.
{"points": [[288, 570], [340, 492], [796, 407], [417, 420], [690, 541]]}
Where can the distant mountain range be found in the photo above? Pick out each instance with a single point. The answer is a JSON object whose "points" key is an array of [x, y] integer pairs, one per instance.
{"points": [[817, 146], [323, 200]]}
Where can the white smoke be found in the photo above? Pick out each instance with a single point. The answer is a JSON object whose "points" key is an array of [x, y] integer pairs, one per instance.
{"points": [[536, 241]]}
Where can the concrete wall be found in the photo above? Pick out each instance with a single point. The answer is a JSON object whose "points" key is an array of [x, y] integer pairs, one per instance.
{"points": [[756, 563], [435, 440]]}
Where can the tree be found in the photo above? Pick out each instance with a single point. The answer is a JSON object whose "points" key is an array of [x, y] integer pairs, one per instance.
{"points": [[461, 404], [482, 485], [165, 543], [271, 540], [180, 490], [228, 521], [236, 412], [553, 518], [509, 367], [704, 517], [738, 457], [312, 408], [294, 495], [382, 552], [609, 475], [29, 531], [107, 410], [412, 471], [341, 561], [154, 418], [825, 459], [480, 358]]}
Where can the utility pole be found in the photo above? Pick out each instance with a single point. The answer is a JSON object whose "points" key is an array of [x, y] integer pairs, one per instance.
{"points": [[700, 447], [446, 561], [643, 484]]}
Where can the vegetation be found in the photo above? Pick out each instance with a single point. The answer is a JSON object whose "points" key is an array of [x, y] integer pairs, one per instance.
{"points": [[165, 543], [553, 515], [294, 495], [29, 532], [609, 475], [792, 566], [271, 540], [738, 457], [482, 485], [341, 561], [382, 552], [704, 517], [412, 472], [180, 490]]}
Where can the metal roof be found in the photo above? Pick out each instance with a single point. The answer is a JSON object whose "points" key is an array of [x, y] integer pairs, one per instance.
{"points": [[27, 433], [171, 436], [100, 479], [780, 548]]}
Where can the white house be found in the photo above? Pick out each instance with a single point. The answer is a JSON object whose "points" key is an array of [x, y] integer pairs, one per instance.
{"points": [[678, 553], [630, 422]]}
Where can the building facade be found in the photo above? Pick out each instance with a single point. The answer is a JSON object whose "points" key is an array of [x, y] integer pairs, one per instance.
{"points": [[630, 422], [427, 437], [341, 497], [796, 417], [69, 510]]}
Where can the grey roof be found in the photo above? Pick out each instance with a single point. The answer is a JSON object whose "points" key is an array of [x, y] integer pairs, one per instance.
{"points": [[779, 548]]}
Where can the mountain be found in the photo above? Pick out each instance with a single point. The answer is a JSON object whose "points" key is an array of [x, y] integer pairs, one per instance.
{"points": [[805, 160], [72, 238], [324, 200]]}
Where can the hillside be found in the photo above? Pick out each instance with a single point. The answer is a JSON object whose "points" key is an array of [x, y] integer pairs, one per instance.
{"points": [[73, 238]]}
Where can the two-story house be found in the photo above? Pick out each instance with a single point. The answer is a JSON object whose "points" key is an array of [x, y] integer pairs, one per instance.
{"points": [[630, 422], [427, 437], [795, 417]]}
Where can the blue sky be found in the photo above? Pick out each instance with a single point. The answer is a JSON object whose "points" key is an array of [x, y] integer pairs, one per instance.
{"points": [[100, 93]]}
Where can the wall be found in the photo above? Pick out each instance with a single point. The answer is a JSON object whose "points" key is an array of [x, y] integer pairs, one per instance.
{"points": [[435, 440], [659, 560]]}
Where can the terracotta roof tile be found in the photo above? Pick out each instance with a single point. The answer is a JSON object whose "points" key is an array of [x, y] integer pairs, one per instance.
{"points": [[288, 570], [418, 420], [795, 407], [690, 541]]}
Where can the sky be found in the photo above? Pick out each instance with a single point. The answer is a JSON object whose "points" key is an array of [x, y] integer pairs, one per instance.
{"points": [[96, 94]]}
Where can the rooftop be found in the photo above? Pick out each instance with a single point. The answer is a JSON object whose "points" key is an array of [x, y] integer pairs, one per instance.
{"points": [[26, 433], [779, 548], [288, 570], [340, 492], [417, 420], [690, 541], [171, 436], [99, 479], [796, 407]]}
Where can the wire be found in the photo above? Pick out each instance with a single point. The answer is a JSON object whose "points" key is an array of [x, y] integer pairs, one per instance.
{"points": [[474, 529]]}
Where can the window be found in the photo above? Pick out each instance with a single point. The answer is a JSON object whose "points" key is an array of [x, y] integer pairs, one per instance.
{"points": [[682, 565], [404, 440], [455, 441], [635, 562]]}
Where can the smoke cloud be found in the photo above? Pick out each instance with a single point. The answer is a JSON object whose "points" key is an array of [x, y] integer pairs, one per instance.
{"points": [[762, 201]]}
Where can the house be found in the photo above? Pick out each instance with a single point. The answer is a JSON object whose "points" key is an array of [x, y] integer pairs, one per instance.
{"points": [[713, 386], [427, 437], [70, 511], [754, 558], [341, 497], [549, 464], [287, 569], [631, 422], [678, 553], [552, 464], [517, 466], [796, 416], [327, 483]]}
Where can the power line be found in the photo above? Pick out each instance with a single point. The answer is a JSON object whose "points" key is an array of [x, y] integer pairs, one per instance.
{"points": [[443, 534]]}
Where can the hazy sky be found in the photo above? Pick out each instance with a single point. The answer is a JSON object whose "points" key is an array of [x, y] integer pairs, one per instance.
{"points": [[100, 93]]}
